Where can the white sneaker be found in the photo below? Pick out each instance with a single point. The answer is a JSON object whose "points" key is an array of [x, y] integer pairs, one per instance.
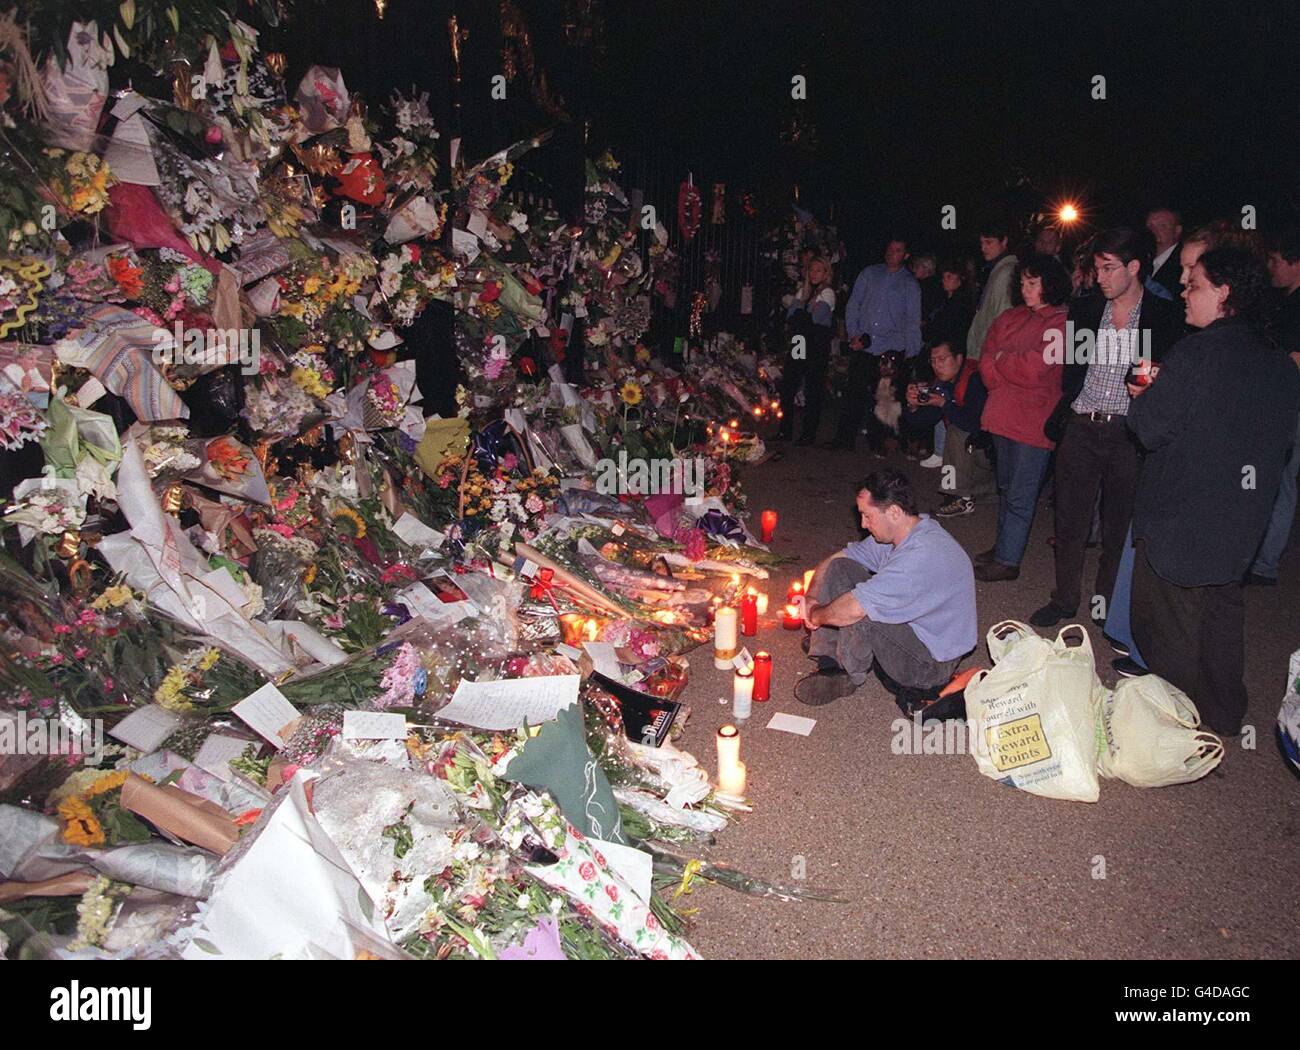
{"points": [[932, 462]]}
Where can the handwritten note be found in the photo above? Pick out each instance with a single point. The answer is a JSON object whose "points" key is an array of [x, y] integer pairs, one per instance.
{"points": [[147, 728], [510, 703], [603, 659], [217, 751], [267, 713], [417, 533], [373, 725]]}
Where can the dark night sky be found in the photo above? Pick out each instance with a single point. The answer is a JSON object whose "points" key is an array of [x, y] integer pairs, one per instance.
{"points": [[915, 105]]}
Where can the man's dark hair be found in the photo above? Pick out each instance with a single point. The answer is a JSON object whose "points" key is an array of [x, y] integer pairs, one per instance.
{"points": [[1126, 245], [1178, 216], [890, 488], [1056, 282], [1287, 244], [995, 226], [1246, 279], [951, 344], [895, 238]]}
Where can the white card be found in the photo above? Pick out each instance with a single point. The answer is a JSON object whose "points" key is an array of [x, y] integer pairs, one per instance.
{"points": [[373, 725], [508, 704], [266, 712], [567, 650], [743, 661], [146, 729], [792, 723], [618, 529], [424, 603], [603, 659], [417, 533], [217, 751], [477, 224]]}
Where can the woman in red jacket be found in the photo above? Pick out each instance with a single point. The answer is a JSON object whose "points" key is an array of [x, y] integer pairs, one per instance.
{"points": [[1023, 390]]}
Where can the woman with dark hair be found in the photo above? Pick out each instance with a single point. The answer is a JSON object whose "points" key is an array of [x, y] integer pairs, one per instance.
{"points": [[812, 316], [1023, 390], [951, 321], [1216, 424]]}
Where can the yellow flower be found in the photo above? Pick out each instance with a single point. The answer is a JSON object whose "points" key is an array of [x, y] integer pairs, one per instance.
{"points": [[112, 598], [108, 782], [631, 394], [169, 694], [312, 285], [309, 379], [504, 172], [81, 826], [294, 310], [209, 659], [349, 515], [309, 577]]}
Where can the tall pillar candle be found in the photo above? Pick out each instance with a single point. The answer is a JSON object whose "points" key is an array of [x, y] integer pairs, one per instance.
{"points": [[725, 638]]}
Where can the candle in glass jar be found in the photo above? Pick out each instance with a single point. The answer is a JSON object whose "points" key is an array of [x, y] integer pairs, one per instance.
{"points": [[796, 589], [762, 676], [760, 600], [725, 638], [731, 771], [768, 525], [749, 615], [793, 617], [742, 695]]}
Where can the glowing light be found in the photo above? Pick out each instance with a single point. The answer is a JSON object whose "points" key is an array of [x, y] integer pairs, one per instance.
{"points": [[1068, 213]]}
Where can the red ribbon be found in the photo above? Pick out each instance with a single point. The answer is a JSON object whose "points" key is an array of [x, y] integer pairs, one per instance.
{"points": [[543, 586]]}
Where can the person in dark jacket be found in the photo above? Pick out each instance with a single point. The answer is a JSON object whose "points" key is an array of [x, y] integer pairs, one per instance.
{"points": [[811, 316], [951, 320], [1216, 424], [1104, 338]]}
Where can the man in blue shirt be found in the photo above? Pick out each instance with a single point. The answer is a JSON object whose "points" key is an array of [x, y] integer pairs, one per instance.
{"points": [[883, 313], [902, 600]]}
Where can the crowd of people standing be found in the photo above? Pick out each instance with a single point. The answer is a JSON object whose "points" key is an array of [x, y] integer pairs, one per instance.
{"points": [[1149, 378]]}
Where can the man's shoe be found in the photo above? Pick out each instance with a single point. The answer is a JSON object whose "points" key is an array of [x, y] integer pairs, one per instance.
{"points": [[823, 687], [957, 507], [1254, 579], [932, 462], [984, 557], [996, 572], [1127, 667], [1119, 647], [1049, 615]]}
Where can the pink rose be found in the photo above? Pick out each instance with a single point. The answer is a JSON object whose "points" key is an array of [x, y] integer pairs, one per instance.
{"points": [[587, 870], [612, 891]]}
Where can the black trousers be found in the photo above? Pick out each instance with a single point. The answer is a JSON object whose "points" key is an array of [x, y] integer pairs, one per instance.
{"points": [[859, 395], [1194, 638], [811, 372], [1092, 457]]}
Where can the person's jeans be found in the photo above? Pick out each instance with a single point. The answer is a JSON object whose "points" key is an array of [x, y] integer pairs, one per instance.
{"points": [[1021, 469], [1119, 625], [940, 436], [859, 395], [1279, 527], [893, 647]]}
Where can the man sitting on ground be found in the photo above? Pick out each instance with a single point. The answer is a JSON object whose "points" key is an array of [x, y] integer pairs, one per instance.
{"points": [[903, 599]]}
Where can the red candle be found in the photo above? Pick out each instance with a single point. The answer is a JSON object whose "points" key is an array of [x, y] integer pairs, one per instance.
{"points": [[749, 615], [792, 621], [768, 522], [762, 676]]}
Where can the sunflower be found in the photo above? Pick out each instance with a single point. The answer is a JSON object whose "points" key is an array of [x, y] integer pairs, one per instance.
{"points": [[81, 826], [358, 523], [631, 394]]}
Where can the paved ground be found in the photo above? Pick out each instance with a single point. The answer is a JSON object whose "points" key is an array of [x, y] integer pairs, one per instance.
{"points": [[938, 861]]}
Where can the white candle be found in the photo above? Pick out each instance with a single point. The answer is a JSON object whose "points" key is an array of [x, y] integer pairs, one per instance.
{"points": [[762, 600], [726, 635], [742, 695], [731, 771]]}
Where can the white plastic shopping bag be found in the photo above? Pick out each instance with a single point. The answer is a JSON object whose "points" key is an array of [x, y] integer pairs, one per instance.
{"points": [[1151, 735], [1034, 714]]}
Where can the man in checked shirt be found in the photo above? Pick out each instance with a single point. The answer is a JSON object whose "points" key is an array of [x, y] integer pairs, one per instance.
{"points": [[1095, 450]]}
